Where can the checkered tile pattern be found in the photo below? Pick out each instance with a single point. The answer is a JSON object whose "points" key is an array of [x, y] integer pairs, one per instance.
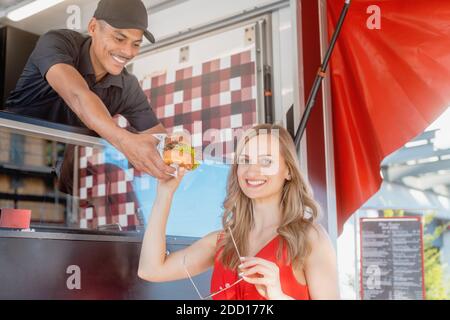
{"points": [[218, 94], [106, 190]]}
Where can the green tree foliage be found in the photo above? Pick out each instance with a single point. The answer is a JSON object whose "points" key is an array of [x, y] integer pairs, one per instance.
{"points": [[436, 286], [389, 213]]}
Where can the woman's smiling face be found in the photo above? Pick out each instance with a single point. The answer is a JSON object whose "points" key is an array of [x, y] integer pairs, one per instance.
{"points": [[262, 170]]}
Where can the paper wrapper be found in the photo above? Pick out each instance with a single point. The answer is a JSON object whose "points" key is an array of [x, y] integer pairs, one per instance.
{"points": [[176, 153]]}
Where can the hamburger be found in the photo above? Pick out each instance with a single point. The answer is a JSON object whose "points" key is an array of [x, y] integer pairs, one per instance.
{"points": [[175, 152]]}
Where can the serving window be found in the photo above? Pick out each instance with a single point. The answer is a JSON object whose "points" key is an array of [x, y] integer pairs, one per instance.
{"points": [[209, 87]]}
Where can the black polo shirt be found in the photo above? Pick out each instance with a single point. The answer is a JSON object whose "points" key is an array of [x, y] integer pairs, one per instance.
{"points": [[33, 96]]}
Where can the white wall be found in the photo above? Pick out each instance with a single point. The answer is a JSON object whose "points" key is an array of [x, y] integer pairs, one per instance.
{"points": [[200, 50], [168, 18], [283, 58], [183, 15], [194, 13]]}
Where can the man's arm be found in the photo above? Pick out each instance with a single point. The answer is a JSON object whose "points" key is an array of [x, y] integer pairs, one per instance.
{"points": [[139, 149], [71, 86], [156, 129]]}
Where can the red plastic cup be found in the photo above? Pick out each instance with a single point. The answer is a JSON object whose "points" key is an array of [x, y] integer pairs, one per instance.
{"points": [[15, 219]]}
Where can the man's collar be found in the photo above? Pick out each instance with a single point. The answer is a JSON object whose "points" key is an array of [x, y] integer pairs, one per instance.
{"points": [[86, 69]]}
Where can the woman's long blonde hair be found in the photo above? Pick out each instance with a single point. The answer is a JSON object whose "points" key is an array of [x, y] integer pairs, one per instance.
{"points": [[299, 210]]}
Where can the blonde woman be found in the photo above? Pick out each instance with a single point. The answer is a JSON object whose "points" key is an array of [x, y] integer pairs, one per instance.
{"points": [[270, 246]]}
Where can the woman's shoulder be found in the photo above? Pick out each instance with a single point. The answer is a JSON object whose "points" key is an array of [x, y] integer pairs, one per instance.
{"points": [[320, 243], [316, 233]]}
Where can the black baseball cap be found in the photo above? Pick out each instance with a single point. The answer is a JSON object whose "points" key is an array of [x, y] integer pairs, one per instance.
{"points": [[124, 14]]}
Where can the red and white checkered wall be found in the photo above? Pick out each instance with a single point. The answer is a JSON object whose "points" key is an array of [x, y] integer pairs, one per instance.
{"points": [[218, 94]]}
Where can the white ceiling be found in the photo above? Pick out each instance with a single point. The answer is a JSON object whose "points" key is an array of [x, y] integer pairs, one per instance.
{"points": [[5, 4], [56, 17]]}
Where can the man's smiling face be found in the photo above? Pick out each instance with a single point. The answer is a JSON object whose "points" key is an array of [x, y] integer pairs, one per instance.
{"points": [[113, 48]]}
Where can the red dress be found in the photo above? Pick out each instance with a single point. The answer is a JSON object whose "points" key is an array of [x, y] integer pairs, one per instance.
{"points": [[223, 277]]}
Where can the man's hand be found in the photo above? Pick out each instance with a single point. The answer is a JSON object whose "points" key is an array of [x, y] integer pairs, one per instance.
{"points": [[141, 152]]}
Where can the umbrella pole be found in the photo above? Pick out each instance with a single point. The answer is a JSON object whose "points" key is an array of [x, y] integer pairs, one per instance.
{"points": [[320, 76]]}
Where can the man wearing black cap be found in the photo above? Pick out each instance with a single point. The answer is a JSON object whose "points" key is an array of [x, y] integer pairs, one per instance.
{"points": [[82, 81]]}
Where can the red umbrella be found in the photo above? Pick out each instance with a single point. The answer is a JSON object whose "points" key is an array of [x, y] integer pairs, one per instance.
{"points": [[390, 80]]}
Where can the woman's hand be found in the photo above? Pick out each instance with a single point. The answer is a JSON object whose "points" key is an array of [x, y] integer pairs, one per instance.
{"points": [[168, 187], [265, 275]]}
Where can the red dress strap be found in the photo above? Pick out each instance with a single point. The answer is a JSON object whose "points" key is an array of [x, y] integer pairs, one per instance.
{"points": [[223, 277]]}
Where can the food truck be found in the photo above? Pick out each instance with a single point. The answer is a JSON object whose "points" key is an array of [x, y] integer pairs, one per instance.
{"points": [[216, 67], [95, 234]]}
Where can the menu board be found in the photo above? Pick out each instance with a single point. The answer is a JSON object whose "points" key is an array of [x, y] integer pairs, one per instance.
{"points": [[392, 259]]}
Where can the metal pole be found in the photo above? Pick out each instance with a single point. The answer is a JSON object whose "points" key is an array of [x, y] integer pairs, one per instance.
{"points": [[320, 75], [357, 278]]}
